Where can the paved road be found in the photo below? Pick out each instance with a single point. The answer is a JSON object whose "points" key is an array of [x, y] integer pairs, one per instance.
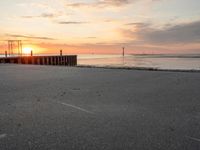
{"points": [[58, 108]]}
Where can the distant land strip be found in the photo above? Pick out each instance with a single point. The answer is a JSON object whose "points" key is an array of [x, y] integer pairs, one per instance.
{"points": [[139, 68]]}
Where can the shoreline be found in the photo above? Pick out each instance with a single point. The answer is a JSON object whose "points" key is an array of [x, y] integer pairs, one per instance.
{"points": [[138, 68], [119, 68]]}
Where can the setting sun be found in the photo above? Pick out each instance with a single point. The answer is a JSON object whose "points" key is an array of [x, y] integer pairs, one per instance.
{"points": [[27, 50]]}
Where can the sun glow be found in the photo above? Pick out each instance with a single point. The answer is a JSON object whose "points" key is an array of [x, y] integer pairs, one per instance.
{"points": [[27, 50]]}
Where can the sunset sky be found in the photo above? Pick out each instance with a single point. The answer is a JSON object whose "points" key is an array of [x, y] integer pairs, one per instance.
{"points": [[102, 26]]}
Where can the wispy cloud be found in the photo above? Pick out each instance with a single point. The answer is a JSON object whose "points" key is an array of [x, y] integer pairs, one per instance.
{"points": [[101, 3], [92, 37], [43, 15], [29, 37], [71, 22], [138, 24], [106, 3], [48, 15]]}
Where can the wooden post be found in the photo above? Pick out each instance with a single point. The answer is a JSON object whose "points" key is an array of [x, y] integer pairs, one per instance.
{"points": [[18, 46], [11, 61], [74, 61], [65, 60], [68, 61], [6, 54], [61, 52], [26, 60], [47, 60], [8, 47], [51, 60], [62, 63], [31, 53], [38, 61], [19, 60], [60, 60], [43, 60], [57, 60], [22, 60], [33, 60]]}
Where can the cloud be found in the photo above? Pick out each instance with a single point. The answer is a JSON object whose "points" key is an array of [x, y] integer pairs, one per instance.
{"points": [[102, 3], [138, 24], [28, 17], [91, 37], [43, 15], [107, 3], [48, 15], [114, 2], [181, 33], [29, 37], [71, 22]]}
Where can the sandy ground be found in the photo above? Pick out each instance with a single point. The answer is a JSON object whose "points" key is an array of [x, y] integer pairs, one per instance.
{"points": [[61, 108]]}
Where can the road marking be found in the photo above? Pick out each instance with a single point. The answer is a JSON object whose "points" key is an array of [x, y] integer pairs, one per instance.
{"points": [[2, 136], [76, 107], [193, 138]]}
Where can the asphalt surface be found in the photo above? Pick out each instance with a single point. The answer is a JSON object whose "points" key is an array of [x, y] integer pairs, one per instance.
{"points": [[60, 108]]}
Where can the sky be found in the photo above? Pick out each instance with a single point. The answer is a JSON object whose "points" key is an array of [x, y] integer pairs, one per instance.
{"points": [[102, 26]]}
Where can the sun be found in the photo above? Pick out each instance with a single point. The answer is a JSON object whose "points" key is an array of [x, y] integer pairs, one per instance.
{"points": [[27, 50]]}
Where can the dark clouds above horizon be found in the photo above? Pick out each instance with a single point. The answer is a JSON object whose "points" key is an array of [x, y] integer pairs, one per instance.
{"points": [[178, 33]]}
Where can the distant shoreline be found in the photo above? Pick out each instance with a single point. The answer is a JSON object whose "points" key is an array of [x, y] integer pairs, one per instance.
{"points": [[138, 68], [195, 55]]}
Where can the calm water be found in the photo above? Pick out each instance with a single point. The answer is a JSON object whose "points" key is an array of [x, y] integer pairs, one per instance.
{"points": [[183, 62]]}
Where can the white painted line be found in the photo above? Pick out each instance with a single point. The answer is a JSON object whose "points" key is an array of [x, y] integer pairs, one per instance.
{"points": [[2, 136], [76, 107], [192, 138]]}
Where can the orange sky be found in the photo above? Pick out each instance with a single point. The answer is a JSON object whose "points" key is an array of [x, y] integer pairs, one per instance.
{"points": [[102, 26]]}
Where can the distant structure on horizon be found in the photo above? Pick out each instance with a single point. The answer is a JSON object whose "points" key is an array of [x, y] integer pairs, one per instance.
{"points": [[123, 52], [11, 44]]}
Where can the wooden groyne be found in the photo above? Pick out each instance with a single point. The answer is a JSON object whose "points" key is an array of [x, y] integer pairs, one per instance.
{"points": [[68, 60]]}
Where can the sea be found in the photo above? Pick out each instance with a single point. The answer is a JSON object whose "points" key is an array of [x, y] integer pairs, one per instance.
{"points": [[161, 61], [153, 61]]}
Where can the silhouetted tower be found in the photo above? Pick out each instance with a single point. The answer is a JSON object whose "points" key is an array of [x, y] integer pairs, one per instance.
{"points": [[11, 47]]}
